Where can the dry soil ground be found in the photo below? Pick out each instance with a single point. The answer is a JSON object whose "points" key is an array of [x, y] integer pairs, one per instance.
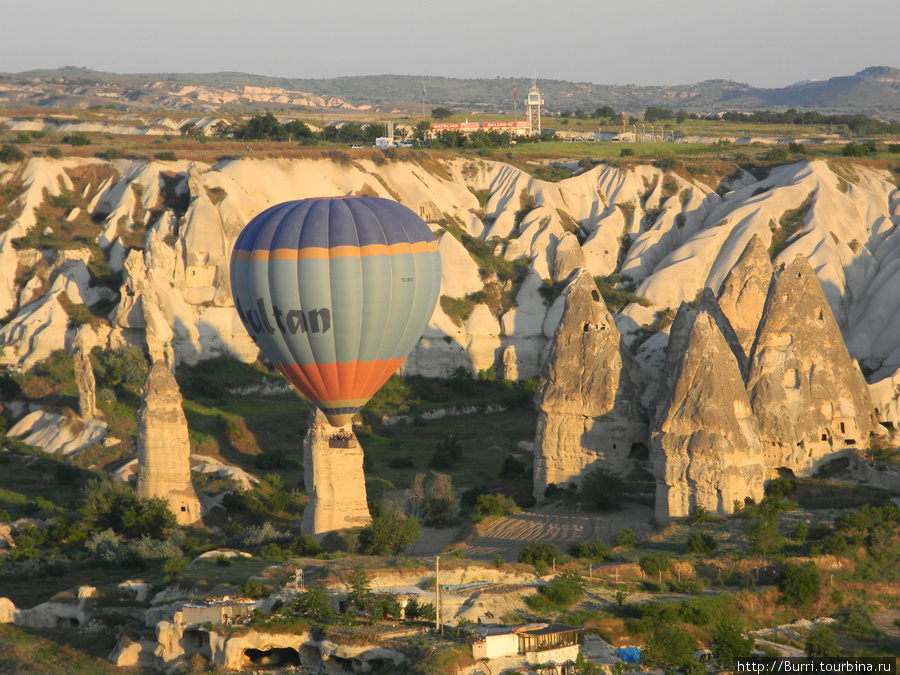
{"points": [[551, 524]]}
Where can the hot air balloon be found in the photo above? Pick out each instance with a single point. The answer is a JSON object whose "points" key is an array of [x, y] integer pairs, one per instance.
{"points": [[336, 292]]}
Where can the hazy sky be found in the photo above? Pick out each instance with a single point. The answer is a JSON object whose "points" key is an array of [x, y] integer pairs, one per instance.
{"points": [[764, 43]]}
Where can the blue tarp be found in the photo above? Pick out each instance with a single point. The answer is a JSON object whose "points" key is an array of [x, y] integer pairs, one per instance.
{"points": [[629, 654]]}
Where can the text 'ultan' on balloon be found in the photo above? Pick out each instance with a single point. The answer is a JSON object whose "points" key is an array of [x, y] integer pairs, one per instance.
{"points": [[336, 292]]}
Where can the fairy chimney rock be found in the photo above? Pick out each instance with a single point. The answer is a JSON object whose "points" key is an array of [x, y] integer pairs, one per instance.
{"points": [[86, 384], [705, 443], [809, 396], [587, 403], [333, 461], [742, 295], [163, 446]]}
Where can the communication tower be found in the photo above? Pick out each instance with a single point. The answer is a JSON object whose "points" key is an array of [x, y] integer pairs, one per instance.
{"points": [[533, 104]]}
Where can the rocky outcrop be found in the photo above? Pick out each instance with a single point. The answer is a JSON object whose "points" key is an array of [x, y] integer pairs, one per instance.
{"points": [[69, 609], [333, 478], [587, 403], [164, 448], [55, 433], [742, 295], [705, 444], [808, 395]]}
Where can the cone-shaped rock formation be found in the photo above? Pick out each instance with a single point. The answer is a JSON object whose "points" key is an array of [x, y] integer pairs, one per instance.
{"points": [[588, 406], [705, 443], [744, 290], [808, 395]]}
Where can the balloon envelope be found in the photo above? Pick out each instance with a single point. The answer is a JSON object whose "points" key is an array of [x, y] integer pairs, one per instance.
{"points": [[336, 292]]}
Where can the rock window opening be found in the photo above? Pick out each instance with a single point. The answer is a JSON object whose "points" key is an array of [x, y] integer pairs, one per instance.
{"points": [[587, 327], [595, 295], [842, 428]]}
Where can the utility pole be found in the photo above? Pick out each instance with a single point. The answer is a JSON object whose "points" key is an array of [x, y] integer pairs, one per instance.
{"points": [[438, 615]]}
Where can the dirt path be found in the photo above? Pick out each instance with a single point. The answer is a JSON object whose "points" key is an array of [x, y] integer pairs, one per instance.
{"points": [[553, 525]]}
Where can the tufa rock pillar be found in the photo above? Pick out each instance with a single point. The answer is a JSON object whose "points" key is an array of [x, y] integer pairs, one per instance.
{"points": [[334, 480], [809, 396], [87, 385], [705, 443], [163, 446], [587, 404]]}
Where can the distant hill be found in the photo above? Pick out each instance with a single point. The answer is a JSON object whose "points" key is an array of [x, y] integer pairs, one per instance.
{"points": [[873, 91]]}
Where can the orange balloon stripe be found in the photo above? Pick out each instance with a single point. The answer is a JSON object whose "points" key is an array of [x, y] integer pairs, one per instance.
{"points": [[334, 382], [263, 255]]}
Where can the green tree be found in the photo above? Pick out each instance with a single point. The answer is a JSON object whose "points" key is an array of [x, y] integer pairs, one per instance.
{"points": [[764, 536], [441, 113], [314, 603], [601, 488], [669, 648], [360, 595], [800, 584], [729, 645], [115, 506], [821, 642], [447, 454], [390, 530]]}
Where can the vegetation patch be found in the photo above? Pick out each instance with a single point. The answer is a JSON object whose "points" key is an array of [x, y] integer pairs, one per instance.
{"points": [[788, 225]]}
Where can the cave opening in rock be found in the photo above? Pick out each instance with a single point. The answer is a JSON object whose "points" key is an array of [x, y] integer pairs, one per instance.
{"points": [[277, 656]]}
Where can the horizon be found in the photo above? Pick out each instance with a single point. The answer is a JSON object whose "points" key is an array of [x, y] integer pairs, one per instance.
{"points": [[773, 46], [34, 71]]}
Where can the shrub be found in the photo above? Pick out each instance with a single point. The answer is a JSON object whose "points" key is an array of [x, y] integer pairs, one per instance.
{"points": [[513, 468], [779, 154], [625, 538], [626, 152], [494, 505], [591, 550], [821, 643], [447, 454], [800, 584], [54, 152], [701, 543], [699, 515], [539, 554], [77, 139], [167, 156], [9, 154], [124, 365], [654, 564], [173, 567], [563, 591]]}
